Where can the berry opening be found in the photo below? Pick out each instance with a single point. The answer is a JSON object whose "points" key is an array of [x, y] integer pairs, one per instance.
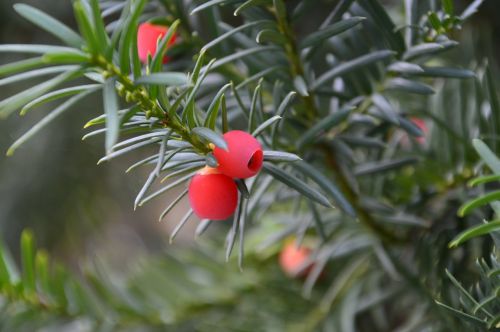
{"points": [[255, 162]]}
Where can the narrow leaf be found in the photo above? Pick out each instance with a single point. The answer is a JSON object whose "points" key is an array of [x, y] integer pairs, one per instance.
{"points": [[323, 125], [351, 66], [383, 166], [280, 156], [316, 38], [405, 85], [467, 207], [476, 231], [169, 79], [46, 120], [264, 125], [49, 24], [211, 136], [111, 110], [295, 183]]}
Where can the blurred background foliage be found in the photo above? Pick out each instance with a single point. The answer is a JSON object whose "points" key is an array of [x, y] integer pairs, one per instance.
{"points": [[82, 214]]}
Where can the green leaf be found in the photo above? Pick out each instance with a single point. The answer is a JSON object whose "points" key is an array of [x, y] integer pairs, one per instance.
{"points": [[36, 49], [405, 85], [253, 107], [211, 136], [49, 24], [179, 226], [101, 35], [259, 75], [36, 73], [225, 121], [128, 149], [244, 53], [172, 205], [487, 155], [42, 271], [381, 19], [445, 72], [295, 183], [471, 9], [410, 127], [248, 4], [128, 40], [468, 206], [462, 315], [301, 86], [163, 190], [28, 261], [9, 105], [213, 109], [351, 66], [212, 3], [280, 156], [282, 108], [270, 36], [264, 125], [211, 161], [58, 94], [383, 166], [242, 188], [46, 120], [231, 235], [426, 49], [435, 21], [326, 184], [189, 113], [483, 180], [386, 108], [405, 67], [110, 100], [323, 125], [316, 38], [202, 227], [198, 67], [233, 31], [476, 231], [20, 66], [169, 79], [163, 46], [85, 26], [66, 57], [448, 6]]}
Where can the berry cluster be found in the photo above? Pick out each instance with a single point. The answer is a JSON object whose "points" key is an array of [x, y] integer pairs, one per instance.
{"points": [[212, 192]]}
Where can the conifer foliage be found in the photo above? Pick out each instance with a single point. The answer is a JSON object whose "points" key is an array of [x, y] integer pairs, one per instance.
{"points": [[341, 138]]}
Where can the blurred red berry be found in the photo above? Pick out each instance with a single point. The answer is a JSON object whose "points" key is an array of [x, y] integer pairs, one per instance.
{"points": [[423, 127], [421, 124], [212, 195], [148, 36], [244, 156], [293, 258]]}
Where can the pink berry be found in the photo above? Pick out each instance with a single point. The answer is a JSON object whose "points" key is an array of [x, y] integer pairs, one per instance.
{"points": [[212, 195], [292, 260], [423, 126], [148, 36], [244, 156]]}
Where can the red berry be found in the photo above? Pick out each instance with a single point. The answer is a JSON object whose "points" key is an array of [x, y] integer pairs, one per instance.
{"points": [[292, 259], [244, 156], [423, 126], [213, 195], [148, 36]]}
